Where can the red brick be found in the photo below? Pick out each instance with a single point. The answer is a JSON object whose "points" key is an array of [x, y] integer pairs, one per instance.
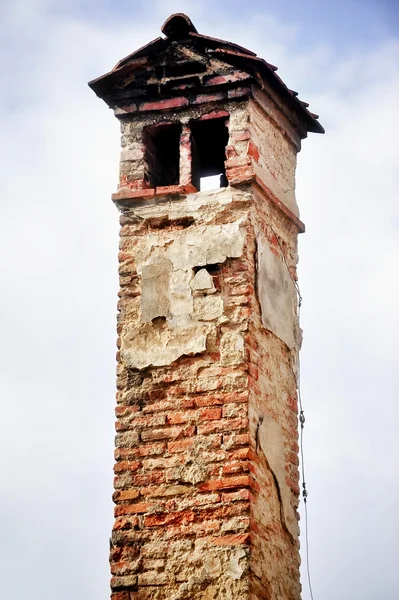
{"points": [[231, 540], [293, 404], [215, 114], [143, 422], [120, 567], [164, 104], [235, 397], [144, 450], [237, 466], [225, 483], [229, 78], [169, 433], [120, 596], [210, 414], [236, 175], [294, 447], [158, 406], [235, 496], [236, 439], [203, 98], [153, 490], [182, 518], [293, 458], [124, 553], [253, 371], [175, 189], [149, 478], [253, 151], [208, 400], [240, 136], [122, 523], [127, 194], [239, 454], [222, 425], [122, 495], [127, 465], [133, 184], [293, 485], [176, 418], [121, 411], [180, 445], [131, 509], [251, 341], [217, 80], [233, 509]]}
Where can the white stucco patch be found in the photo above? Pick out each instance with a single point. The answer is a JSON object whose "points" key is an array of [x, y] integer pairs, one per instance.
{"points": [[188, 303], [271, 443], [277, 294]]}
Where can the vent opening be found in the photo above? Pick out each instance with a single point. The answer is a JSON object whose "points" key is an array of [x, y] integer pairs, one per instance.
{"points": [[162, 154], [209, 140]]}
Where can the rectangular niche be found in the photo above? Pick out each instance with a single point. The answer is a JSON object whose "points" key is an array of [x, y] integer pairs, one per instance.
{"points": [[209, 139], [162, 154]]}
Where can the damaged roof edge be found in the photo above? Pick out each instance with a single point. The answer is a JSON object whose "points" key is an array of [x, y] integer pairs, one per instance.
{"points": [[179, 28]]}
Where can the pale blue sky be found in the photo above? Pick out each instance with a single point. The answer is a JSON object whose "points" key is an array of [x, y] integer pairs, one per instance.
{"points": [[348, 22], [58, 167]]}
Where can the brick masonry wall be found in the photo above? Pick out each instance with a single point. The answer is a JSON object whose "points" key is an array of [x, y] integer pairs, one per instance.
{"points": [[206, 448], [273, 427], [182, 477], [272, 149], [132, 181]]}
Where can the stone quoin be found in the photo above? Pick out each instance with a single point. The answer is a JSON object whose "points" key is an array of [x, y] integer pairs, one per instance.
{"points": [[206, 459]]}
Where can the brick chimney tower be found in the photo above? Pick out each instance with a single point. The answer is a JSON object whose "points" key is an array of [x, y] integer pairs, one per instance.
{"points": [[206, 472]]}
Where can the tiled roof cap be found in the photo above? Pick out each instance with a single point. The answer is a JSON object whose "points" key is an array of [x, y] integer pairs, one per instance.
{"points": [[178, 25], [180, 30]]}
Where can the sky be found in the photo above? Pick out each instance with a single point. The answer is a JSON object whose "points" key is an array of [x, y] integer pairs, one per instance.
{"points": [[59, 157]]}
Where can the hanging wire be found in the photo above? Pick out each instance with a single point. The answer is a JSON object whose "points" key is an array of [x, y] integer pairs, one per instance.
{"points": [[304, 489], [301, 418]]}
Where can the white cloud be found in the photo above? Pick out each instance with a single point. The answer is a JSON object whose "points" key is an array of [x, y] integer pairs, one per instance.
{"points": [[58, 167]]}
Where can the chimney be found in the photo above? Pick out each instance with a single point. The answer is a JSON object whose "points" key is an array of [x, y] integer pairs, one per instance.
{"points": [[206, 471]]}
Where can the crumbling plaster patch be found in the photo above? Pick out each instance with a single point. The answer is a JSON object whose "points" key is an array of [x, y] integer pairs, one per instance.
{"points": [[277, 294], [271, 443], [219, 575], [188, 304], [155, 279]]}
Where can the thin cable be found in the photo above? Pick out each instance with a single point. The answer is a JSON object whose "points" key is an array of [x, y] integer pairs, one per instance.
{"points": [[301, 418], [307, 550], [304, 489]]}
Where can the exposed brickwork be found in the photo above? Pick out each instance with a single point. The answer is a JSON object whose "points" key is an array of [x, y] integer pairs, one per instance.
{"points": [[189, 472], [273, 395], [182, 476], [206, 459]]}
